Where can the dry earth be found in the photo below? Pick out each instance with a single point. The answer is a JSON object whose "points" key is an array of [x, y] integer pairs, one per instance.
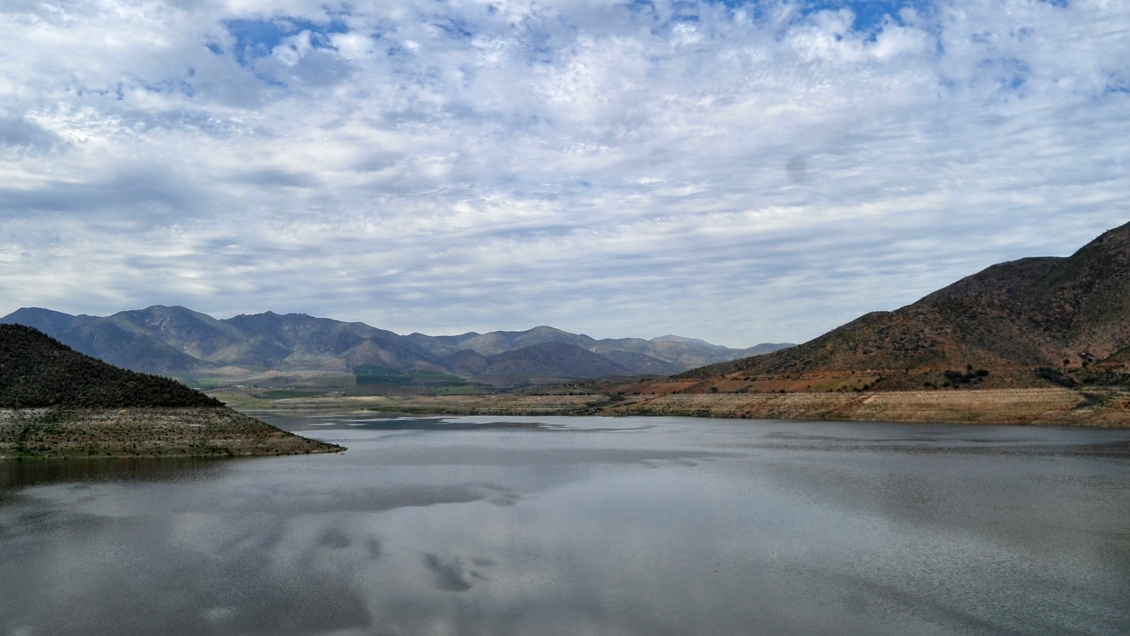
{"points": [[1044, 406], [145, 432], [1048, 407]]}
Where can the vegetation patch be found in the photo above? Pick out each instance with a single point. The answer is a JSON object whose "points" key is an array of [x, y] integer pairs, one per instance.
{"points": [[459, 389], [1055, 376], [283, 394], [970, 376], [372, 374]]}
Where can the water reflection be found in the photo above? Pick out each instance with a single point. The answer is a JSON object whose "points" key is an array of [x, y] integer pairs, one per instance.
{"points": [[582, 525], [22, 473]]}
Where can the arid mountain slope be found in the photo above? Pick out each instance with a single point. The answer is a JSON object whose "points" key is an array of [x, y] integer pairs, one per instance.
{"points": [[1025, 314], [1084, 302]]}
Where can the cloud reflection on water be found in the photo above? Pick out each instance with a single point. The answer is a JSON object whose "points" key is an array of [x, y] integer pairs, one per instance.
{"points": [[688, 526]]}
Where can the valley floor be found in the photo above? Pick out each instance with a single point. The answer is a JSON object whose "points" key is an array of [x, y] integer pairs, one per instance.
{"points": [[1096, 407]]}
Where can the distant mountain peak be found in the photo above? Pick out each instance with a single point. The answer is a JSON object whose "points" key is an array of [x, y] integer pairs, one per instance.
{"points": [[694, 342]]}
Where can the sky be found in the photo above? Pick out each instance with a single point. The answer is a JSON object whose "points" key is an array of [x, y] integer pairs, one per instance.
{"points": [[741, 172]]}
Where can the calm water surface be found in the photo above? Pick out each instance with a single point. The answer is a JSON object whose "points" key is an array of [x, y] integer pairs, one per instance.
{"points": [[488, 525]]}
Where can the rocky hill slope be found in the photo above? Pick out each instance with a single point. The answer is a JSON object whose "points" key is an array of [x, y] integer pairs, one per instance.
{"points": [[57, 402], [1026, 323]]}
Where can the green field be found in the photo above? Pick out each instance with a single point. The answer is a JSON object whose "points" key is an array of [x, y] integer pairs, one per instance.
{"points": [[459, 389], [284, 394], [372, 374]]}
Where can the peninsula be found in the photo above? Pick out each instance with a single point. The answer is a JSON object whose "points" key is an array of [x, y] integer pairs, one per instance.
{"points": [[58, 403]]}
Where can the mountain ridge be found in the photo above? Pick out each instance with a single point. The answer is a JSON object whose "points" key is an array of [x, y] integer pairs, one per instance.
{"points": [[1067, 314], [181, 342]]}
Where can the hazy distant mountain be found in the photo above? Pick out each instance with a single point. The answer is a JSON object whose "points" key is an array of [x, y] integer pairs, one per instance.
{"points": [[663, 355], [697, 343], [1058, 314], [179, 341], [116, 340], [551, 360]]}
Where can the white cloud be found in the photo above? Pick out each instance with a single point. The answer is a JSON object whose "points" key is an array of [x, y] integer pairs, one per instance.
{"points": [[609, 168]]}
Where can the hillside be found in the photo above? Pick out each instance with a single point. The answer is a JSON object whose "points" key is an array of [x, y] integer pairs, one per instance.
{"points": [[1026, 323], [56, 402], [185, 343], [38, 371]]}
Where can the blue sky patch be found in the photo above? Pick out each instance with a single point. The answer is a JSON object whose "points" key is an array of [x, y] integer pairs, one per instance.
{"points": [[869, 14], [257, 38]]}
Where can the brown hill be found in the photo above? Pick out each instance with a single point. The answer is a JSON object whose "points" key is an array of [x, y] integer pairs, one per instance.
{"points": [[1028, 322]]}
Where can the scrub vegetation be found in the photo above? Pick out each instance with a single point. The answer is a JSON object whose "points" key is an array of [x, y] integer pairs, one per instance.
{"points": [[37, 371]]}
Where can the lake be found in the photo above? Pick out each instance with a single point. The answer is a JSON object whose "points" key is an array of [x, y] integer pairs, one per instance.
{"points": [[582, 525]]}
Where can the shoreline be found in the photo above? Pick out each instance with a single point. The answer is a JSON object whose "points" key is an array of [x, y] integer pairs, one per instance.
{"points": [[1099, 407]]}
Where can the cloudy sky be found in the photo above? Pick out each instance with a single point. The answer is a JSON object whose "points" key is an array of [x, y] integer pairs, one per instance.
{"points": [[737, 171]]}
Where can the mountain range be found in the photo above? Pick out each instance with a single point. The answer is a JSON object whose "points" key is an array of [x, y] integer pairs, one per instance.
{"points": [[1029, 322], [180, 342]]}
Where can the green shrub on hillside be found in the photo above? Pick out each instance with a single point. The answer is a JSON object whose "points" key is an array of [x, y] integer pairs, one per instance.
{"points": [[969, 377], [1055, 376]]}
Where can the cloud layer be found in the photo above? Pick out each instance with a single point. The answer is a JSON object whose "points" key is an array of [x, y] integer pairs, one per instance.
{"points": [[742, 172]]}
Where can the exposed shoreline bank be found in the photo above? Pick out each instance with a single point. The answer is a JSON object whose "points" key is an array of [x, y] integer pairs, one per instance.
{"points": [[1097, 407], [56, 433]]}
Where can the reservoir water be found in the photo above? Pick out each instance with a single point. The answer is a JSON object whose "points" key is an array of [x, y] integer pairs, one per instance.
{"points": [[543, 525]]}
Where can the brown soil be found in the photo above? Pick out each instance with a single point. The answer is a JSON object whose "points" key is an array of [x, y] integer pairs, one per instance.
{"points": [[1049, 407]]}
